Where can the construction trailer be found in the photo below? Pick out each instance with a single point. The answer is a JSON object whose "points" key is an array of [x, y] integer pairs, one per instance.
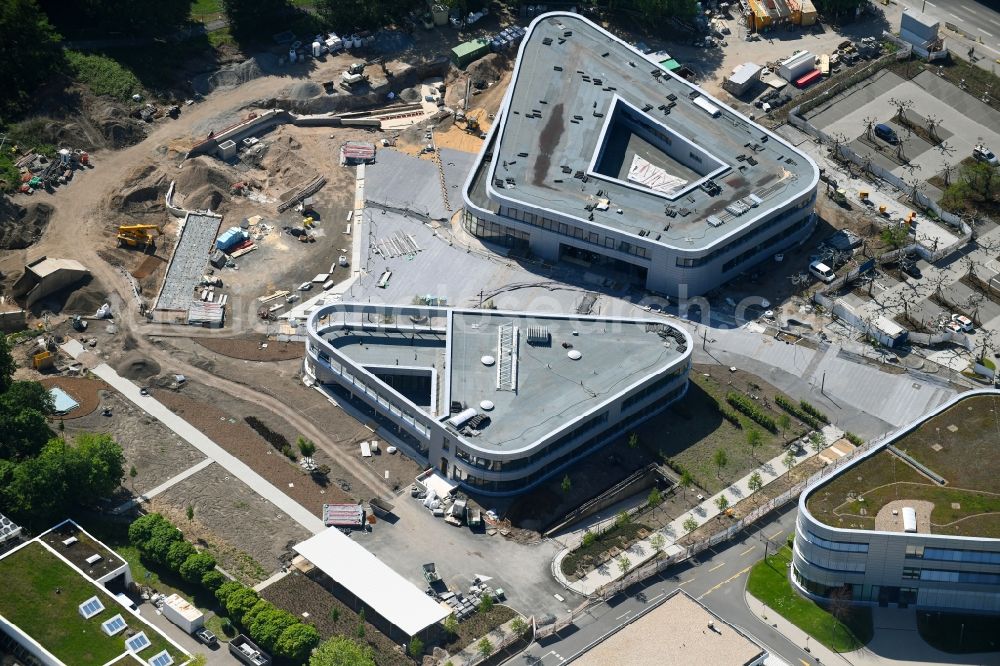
{"points": [[469, 52], [764, 14], [180, 611], [796, 66]]}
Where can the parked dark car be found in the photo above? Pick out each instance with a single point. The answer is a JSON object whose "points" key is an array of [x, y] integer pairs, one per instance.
{"points": [[911, 269]]}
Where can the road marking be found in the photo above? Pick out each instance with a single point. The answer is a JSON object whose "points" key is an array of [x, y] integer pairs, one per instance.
{"points": [[717, 566], [649, 601], [931, 4], [562, 659], [776, 534], [725, 582], [625, 614], [988, 34], [685, 582], [804, 662], [747, 550]]}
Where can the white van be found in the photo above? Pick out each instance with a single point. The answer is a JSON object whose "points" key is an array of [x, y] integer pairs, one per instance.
{"points": [[822, 271]]}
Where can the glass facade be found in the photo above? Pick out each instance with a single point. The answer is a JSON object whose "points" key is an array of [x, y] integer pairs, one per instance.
{"points": [[953, 555], [842, 546]]}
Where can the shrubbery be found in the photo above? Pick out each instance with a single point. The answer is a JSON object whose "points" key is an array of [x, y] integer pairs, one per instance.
{"points": [[745, 405], [799, 413], [853, 439], [272, 628], [812, 411]]}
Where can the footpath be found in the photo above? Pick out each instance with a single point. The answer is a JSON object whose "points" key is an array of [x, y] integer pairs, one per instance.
{"points": [[770, 471]]}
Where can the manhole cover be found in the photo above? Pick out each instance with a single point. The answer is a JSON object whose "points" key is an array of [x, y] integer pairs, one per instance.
{"points": [[953, 428], [937, 448]]}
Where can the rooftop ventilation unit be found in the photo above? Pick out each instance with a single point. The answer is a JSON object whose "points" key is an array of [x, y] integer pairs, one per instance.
{"points": [[539, 335], [70, 541], [463, 417], [507, 339], [714, 221], [94, 559]]}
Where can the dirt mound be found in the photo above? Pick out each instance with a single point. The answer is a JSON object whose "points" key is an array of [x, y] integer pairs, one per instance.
{"points": [[229, 77], [136, 366], [489, 68], [201, 171], [410, 95], [206, 197], [21, 226], [85, 301], [143, 191], [305, 90]]}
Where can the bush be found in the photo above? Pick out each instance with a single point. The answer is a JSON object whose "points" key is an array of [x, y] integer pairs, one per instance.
{"points": [[103, 75], [275, 439], [853, 439], [296, 642], [799, 413], [589, 538], [240, 602], [729, 414], [486, 605], [163, 537], [813, 412], [141, 529], [748, 407], [306, 447], [226, 590]]}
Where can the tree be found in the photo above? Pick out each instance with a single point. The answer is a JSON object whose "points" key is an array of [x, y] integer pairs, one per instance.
{"points": [[416, 647], [686, 480], [190, 512], [622, 519], [250, 617], [754, 438], [689, 524], [657, 541], [239, 602], [212, 580], [7, 364], [655, 498], [566, 484], [296, 642], [24, 408], [789, 461], [624, 563], [163, 536], [306, 447], [178, 553], [485, 647], [895, 236], [141, 529], [486, 605], [117, 17], [784, 422], [342, 651], [722, 503], [269, 624], [519, 626], [755, 482], [817, 441], [31, 56], [253, 20], [194, 568], [588, 538], [450, 625], [721, 459]]}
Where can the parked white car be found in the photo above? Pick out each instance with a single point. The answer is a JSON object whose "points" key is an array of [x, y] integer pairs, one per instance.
{"points": [[984, 154], [822, 271], [964, 322]]}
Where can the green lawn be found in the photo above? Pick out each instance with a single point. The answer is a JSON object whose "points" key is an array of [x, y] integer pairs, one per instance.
{"points": [[42, 595], [769, 582]]}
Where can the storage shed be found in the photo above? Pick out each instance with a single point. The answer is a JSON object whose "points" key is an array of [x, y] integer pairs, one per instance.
{"points": [[742, 78], [469, 52]]}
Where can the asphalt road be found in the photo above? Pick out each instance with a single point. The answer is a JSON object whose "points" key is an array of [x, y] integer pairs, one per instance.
{"points": [[717, 580]]}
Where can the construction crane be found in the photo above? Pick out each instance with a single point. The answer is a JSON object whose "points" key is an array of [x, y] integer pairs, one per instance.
{"points": [[138, 235]]}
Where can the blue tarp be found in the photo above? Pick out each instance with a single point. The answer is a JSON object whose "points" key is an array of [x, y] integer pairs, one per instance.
{"points": [[230, 237]]}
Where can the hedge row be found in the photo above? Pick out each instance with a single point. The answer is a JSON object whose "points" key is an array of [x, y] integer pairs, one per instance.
{"points": [[796, 411], [853, 439], [813, 412], [275, 630], [275, 439], [729, 414], [747, 406]]}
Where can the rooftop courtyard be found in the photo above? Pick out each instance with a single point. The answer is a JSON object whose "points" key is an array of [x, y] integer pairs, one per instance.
{"points": [[42, 596], [960, 445], [592, 129]]}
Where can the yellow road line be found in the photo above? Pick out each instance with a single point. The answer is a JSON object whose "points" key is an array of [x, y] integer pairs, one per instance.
{"points": [[747, 550], [804, 662], [725, 582], [717, 566], [776, 534]]}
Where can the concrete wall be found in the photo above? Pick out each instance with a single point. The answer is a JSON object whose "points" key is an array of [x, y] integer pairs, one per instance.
{"points": [[13, 321], [34, 288]]}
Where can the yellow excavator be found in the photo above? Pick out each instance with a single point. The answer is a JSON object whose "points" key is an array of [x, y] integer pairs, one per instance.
{"points": [[139, 236]]}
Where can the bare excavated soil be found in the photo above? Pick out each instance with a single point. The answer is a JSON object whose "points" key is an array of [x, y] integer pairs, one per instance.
{"points": [[222, 419], [22, 225], [254, 348]]}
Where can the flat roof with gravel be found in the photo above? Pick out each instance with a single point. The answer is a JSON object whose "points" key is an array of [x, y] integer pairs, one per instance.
{"points": [[678, 632], [188, 262], [588, 118]]}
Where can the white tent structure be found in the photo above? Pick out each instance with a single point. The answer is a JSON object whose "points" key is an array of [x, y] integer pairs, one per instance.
{"points": [[376, 585]]}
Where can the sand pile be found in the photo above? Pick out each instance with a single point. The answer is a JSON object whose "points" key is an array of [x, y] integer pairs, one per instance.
{"points": [[305, 91], [409, 95], [229, 77], [84, 301]]}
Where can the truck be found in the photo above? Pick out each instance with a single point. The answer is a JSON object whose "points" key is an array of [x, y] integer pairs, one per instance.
{"points": [[245, 651], [182, 613]]}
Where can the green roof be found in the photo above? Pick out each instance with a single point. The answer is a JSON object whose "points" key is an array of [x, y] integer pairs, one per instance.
{"points": [[42, 595], [670, 64]]}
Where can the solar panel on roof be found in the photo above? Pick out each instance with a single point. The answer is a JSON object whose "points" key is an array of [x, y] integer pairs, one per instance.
{"points": [[161, 659], [137, 643], [91, 607], [114, 625]]}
